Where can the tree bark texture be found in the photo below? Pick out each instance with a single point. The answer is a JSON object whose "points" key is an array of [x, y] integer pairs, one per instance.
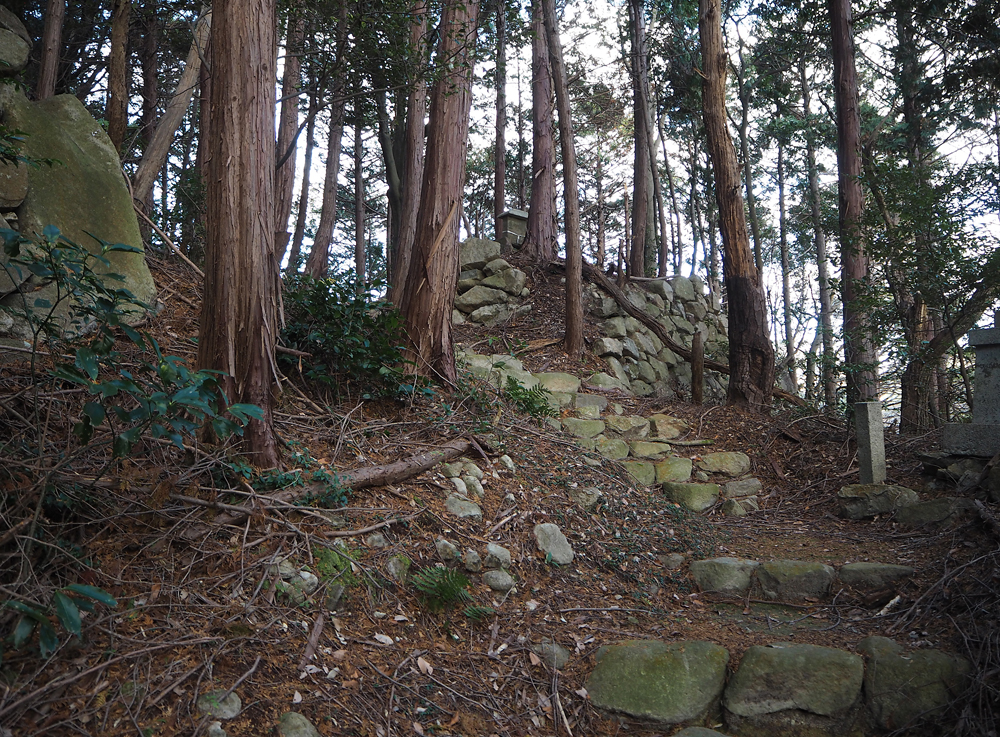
{"points": [[303, 209], [158, 148], [360, 265], [640, 169], [116, 110], [413, 158], [751, 355], [149, 32], [55, 14], [573, 343], [288, 129], [540, 242], [240, 308], [859, 355], [500, 140], [433, 272], [786, 289], [744, 90]]}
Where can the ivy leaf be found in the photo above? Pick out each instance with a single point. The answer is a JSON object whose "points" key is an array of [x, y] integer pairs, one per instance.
{"points": [[67, 612], [92, 592]]}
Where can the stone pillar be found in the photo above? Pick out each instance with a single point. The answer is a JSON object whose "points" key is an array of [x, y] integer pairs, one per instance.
{"points": [[981, 437], [514, 224], [871, 442]]}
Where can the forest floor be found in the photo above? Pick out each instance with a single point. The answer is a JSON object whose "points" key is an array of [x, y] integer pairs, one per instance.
{"points": [[203, 612]]}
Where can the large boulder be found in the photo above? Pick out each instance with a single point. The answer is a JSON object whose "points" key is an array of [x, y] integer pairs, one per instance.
{"points": [[795, 580], [475, 253], [724, 575], [726, 463], [15, 43], [863, 501], [792, 690], [903, 687], [669, 683], [82, 193]]}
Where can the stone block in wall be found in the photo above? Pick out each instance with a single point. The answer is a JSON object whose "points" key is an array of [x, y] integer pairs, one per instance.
{"points": [[661, 288], [683, 288], [698, 286], [668, 356], [646, 372], [604, 307], [630, 349], [697, 310], [604, 347], [637, 298], [614, 327], [511, 281], [475, 253], [496, 266], [644, 343], [641, 389], [480, 296], [618, 371], [13, 185], [652, 310]]}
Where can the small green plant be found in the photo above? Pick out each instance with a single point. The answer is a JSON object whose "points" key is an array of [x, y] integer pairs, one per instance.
{"points": [[441, 588], [351, 339], [66, 604], [534, 401]]}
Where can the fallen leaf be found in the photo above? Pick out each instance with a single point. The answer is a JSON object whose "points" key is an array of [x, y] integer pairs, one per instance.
{"points": [[384, 639], [339, 655], [425, 667], [582, 693], [297, 698], [417, 728], [535, 660]]}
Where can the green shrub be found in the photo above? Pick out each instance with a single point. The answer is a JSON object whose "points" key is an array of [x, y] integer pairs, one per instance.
{"points": [[352, 340]]}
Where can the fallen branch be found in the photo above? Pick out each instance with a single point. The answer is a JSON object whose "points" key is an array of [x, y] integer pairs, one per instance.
{"points": [[313, 643], [598, 277]]}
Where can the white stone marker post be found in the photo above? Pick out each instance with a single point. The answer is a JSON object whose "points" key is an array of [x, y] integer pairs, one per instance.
{"points": [[871, 441]]}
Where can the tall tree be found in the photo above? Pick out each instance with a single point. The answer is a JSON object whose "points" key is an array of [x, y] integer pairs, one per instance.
{"points": [[288, 128], [55, 13], [116, 110], [500, 140], [413, 156], [573, 342], [295, 253], [641, 179], [360, 263], [431, 280], [540, 242], [239, 313], [751, 355], [859, 353]]}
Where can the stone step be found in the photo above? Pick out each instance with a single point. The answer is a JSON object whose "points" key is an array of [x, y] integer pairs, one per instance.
{"points": [[782, 688], [792, 580]]}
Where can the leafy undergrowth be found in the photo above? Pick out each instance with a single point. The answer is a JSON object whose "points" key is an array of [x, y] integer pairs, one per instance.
{"points": [[202, 606]]}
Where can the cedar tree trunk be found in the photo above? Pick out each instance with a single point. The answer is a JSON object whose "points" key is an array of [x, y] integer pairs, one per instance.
{"points": [[500, 142], [430, 283], [240, 307], [288, 128], [540, 242], [116, 110], [55, 14], [751, 355]]}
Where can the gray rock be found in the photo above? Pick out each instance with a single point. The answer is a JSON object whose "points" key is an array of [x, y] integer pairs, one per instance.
{"points": [[662, 288], [643, 472], [604, 307], [672, 561], [795, 580], [553, 654], [306, 582], [590, 400], [376, 540], [873, 575], [459, 485], [698, 732], [286, 569], [473, 487], [667, 427], [902, 688], [673, 468], [724, 575], [583, 428], [553, 543], [472, 561], [497, 556], [559, 382], [452, 470], [614, 328], [475, 253], [13, 184], [618, 370], [645, 344], [398, 568], [496, 266], [630, 349], [630, 427], [740, 507], [668, 683], [480, 296], [511, 281], [640, 388], [499, 580], [507, 463], [683, 288], [293, 724], [613, 449], [214, 730], [13, 53], [12, 23], [588, 413], [934, 511], [646, 449], [447, 551], [463, 508], [694, 496], [473, 470], [334, 595], [457, 318], [790, 689], [727, 463], [608, 347], [601, 380], [214, 705], [646, 372], [741, 488], [489, 315], [863, 501], [587, 498]]}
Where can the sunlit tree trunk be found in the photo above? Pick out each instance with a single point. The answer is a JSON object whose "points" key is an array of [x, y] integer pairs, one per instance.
{"points": [[786, 290], [303, 209], [744, 91], [751, 355], [240, 307], [360, 262], [540, 242], [573, 342], [640, 169], [500, 139], [431, 280], [288, 128]]}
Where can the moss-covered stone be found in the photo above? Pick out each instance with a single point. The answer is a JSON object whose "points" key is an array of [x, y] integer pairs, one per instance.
{"points": [[670, 683], [795, 580], [902, 688], [83, 194], [646, 449], [694, 496], [642, 471], [673, 468], [583, 428], [726, 462], [724, 575]]}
